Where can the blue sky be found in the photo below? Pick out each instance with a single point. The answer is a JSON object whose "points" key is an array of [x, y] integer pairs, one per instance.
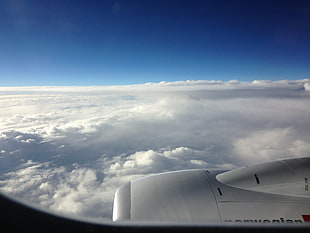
{"points": [[130, 42]]}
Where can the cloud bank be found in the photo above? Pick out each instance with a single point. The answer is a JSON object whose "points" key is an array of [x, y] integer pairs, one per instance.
{"points": [[69, 148]]}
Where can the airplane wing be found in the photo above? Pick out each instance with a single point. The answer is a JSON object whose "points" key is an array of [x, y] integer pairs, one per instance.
{"points": [[274, 192]]}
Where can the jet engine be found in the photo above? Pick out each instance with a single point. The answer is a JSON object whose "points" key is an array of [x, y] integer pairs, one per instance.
{"points": [[274, 192]]}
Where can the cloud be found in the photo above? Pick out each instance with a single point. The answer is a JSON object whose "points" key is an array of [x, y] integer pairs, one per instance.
{"points": [[270, 145], [68, 149], [148, 162]]}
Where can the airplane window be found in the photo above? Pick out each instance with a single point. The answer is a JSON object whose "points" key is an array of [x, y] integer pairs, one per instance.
{"points": [[113, 110]]}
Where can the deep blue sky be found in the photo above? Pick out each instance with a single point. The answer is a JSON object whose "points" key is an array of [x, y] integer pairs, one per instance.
{"points": [[111, 42]]}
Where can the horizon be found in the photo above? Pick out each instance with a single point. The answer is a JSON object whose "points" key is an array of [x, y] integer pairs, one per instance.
{"points": [[181, 82]]}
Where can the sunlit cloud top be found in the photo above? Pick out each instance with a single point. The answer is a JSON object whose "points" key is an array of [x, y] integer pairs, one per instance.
{"points": [[69, 148]]}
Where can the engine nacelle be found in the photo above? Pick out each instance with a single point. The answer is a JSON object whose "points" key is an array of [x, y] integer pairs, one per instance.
{"points": [[274, 192]]}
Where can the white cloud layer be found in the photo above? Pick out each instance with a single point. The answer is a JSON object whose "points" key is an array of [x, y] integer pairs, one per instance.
{"points": [[69, 148]]}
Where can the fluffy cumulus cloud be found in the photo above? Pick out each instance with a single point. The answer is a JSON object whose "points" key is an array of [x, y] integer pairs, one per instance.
{"points": [[69, 148]]}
